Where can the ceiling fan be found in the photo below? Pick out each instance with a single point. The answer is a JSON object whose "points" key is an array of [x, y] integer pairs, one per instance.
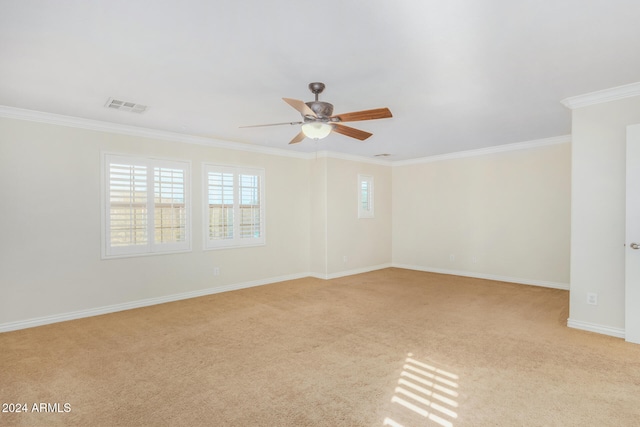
{"points": [[318, 119]]}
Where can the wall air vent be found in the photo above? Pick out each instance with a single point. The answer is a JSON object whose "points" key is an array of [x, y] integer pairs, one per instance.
{"points": [[116, 104]]}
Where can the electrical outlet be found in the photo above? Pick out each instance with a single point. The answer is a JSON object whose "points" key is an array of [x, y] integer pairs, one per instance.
{"points": [[452, 257], [474, 259], [216, 271], [592, 298], [345, 259]]}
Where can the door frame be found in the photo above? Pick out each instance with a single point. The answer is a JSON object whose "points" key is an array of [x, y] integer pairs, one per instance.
{"points": [[632, 234]]}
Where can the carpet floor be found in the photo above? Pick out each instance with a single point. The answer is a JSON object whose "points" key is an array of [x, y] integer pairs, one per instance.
{"points": [[391, 347]]}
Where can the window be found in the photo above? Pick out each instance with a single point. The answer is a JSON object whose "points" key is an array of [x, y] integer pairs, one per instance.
{"points": [[146, 206], [234, 211], [365, 196]]}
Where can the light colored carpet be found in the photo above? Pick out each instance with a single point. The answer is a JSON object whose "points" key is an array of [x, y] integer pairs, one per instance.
{"points": [[391, 347]]}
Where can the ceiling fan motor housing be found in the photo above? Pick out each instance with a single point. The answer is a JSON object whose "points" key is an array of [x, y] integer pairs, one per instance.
{"points": [[322, 109]]}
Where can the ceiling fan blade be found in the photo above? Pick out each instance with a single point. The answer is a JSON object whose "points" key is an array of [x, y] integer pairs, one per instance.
{"points": [[300, 106], [299, 137], [352, 132], [377, 113], [272, 124]]}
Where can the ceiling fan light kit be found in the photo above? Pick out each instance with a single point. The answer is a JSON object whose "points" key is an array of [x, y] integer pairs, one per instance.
{"points": [[318, 120], [316, 130]]}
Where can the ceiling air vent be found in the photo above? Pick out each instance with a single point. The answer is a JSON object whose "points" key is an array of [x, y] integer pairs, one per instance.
{"points": [[116, 104]]}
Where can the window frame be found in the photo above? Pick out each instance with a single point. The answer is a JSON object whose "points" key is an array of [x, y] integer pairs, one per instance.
{"points": [[368, 212], [236, 241], [151, 247]]}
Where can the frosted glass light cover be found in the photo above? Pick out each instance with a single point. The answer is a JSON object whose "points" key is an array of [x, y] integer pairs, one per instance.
{"points": [[316, 130]]}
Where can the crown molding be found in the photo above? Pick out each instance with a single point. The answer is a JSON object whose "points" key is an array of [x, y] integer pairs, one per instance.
{"points": [[350, 157], [101, 126], [606, 95], [564, 139]]}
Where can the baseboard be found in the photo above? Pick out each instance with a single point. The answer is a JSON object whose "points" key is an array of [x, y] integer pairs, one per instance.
{"points": [[45, 320], [542, 283], [352, 272], [599, 329]]}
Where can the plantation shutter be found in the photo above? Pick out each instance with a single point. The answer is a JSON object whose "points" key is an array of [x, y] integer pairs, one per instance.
{"points": [[128, 217], [146, 206], [169, 205], [221, 203], [250, 209], [365, 196], [235, 210]]}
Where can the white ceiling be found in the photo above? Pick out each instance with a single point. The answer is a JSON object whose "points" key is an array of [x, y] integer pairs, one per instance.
{"points": [[457, 74]]}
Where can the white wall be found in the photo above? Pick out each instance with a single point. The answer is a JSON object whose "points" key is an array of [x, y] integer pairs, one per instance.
{"points": [[598, 213], [503, 215], [50, 259], [508, 210], [318, 216], [365, 242]]}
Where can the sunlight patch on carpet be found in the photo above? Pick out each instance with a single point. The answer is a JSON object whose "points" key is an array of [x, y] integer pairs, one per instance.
{"points": [[427, 391]]}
